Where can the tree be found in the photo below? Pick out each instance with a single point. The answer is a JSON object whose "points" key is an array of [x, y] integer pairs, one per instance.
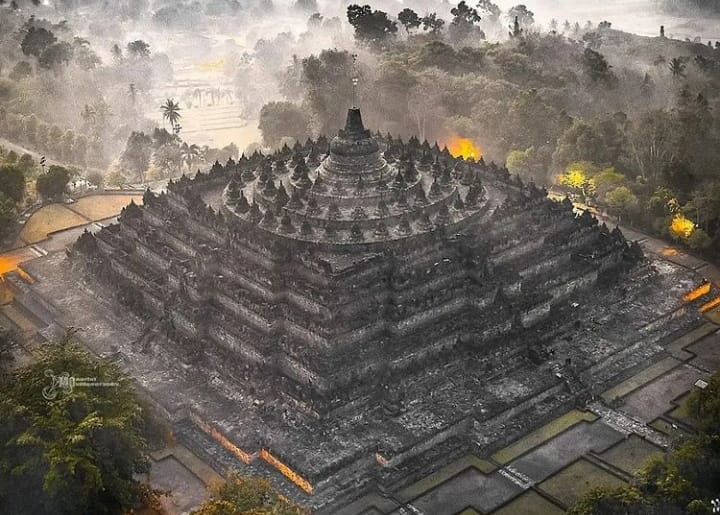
{"points": [[371, 27], [12, 182], [326, 79], [597, 68], [117, 53], [677, 67], [489, 11], [621, 200], [432, 23], [56, 55], [525, 16], [190, 154], [409, 19], [96, 179], [136, 156], [171, 113], [684, 481], [279, 119], [52, 184], [8, 338], [20, 71], [8, 214], [36, 41], [138, 49], [69, 449], [244, 495], [463, 22]]}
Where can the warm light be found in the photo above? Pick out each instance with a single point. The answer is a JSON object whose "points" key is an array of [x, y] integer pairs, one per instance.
{"points": [[681, 227], [9, 261], [710, 305], [210, 66], [463, 147], [286, 471], [698, 292]]}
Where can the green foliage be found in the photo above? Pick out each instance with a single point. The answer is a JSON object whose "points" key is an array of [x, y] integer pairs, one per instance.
{"points": [[12, 181], [279, 119], [525, 16], [621, 200], [8, 214], [8, 338], [597, 68], [525, 163], [77, 452], [36, 41], [55, 55], [138, 49], [684, 481], [137, 154], [409, 19], [244, 495], [699, 240], [371, 27], [52, 185]]}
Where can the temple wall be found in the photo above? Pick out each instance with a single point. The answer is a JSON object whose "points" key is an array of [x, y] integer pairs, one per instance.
{"points": [[232, 343], [563, 290]]}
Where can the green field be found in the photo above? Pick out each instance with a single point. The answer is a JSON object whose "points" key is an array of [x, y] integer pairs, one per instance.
{"points": [[540, 436], [529, 503], [575, 480], [631, 454]]}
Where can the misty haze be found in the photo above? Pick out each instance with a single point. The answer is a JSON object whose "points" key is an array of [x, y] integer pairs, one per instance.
{"points": [[344, 258]]}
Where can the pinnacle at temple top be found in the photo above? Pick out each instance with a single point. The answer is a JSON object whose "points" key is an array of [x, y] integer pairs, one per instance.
{"points": [[353, 196]]}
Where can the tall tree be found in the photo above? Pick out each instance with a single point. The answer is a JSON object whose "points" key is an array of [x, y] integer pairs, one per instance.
{"points": [[171, 112], [136, 156], [12, 182], [52, 185], [409, 19], [371, 27], [69, 449], [36, 41], [677, 67], [138, 49]]}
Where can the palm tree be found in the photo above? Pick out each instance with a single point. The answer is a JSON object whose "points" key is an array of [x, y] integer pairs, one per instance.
{"points": [[677, 67], [171, 113], [189, 154], [132, 92]]}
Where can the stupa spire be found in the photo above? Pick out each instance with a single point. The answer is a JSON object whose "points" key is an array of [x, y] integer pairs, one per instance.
{"points": [[355, 81]]}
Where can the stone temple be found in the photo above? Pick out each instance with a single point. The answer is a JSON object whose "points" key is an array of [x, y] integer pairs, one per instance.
{"points": [[346, 316]]}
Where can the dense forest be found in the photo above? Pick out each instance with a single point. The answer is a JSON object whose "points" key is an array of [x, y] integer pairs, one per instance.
{"points": [[624, 122]]}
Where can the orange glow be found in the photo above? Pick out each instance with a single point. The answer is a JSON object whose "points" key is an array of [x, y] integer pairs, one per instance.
{"points": [[220, 438], [286, 471], [9, 261], [698, 292], [463, 147], [710, 305]]}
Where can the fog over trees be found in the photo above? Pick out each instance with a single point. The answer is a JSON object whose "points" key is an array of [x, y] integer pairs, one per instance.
{"points": [[142, 90]]}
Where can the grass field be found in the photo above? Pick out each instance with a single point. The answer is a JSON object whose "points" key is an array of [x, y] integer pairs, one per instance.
{"points": [[640, 379], [666, 427], [429, 482], [631, 454], [99, 207], [540, 436], [529, 503], [574, 481], [56, 217], [47, 219]]}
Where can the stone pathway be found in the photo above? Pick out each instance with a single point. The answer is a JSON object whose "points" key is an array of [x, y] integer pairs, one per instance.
{"points": [[627, 424]]}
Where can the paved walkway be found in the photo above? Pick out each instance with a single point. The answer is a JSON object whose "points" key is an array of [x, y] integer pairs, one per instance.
{"points": [[626, 424]]}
